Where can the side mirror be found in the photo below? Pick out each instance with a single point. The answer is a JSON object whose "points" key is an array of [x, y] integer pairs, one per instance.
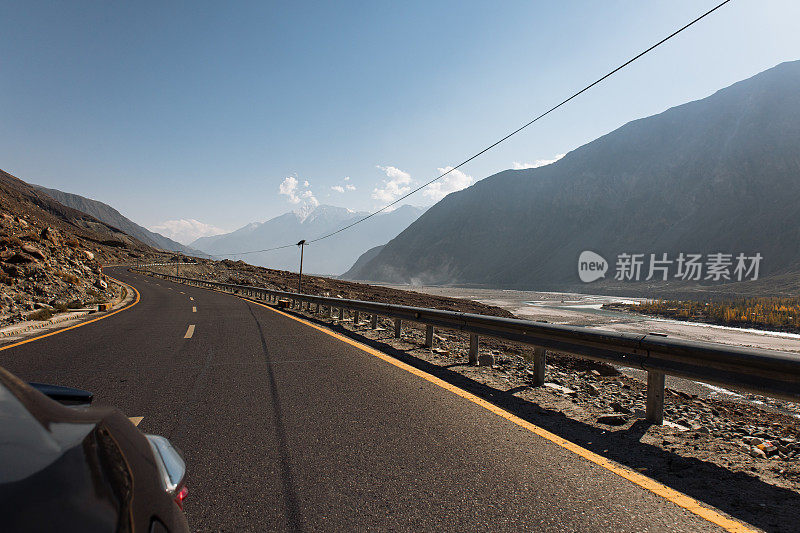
{"points": [[65, 395]]}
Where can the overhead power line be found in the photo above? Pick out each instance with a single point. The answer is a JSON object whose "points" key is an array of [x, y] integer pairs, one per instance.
{"points": [[257, 251], [493, 145]]}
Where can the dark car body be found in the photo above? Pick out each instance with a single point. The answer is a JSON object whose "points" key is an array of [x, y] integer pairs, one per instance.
{"points": [[77, 469]]}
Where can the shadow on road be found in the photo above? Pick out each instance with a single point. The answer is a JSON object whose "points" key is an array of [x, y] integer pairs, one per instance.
{"points": [[293, 516]]}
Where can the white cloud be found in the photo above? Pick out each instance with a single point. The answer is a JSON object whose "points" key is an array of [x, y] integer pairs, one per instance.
{"points": [[454, 181], [309, 199], [186, 230], [536, 163], [345, 187], [398, 184], [289, 188]]}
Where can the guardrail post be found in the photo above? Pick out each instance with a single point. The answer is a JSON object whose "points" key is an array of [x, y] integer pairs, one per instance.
{"points": [[330, 311], [539, 364], [428, 336], [355, 318], [473, 349], [374, 322], [341, 313], [655, 397], [398, 325]]}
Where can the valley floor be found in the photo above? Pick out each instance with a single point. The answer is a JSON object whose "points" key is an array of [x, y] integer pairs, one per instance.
{"points": [[586, 310]]}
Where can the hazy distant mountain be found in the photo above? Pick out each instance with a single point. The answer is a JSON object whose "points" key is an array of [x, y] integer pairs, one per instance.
{"points": [[721, 174], [329, 256], [112, 217]]}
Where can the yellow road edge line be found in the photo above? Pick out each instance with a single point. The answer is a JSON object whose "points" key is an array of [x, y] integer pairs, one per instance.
{"points": [[135, 420], [194, 309], [135, 301], [672, 495]]}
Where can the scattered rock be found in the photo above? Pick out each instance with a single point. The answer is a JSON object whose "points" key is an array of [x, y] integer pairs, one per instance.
{"points": [[20, 259], [13, 270], [560, 388], [758, 453], [49, 234], [619, 408], [32, 251], [485, 359]]}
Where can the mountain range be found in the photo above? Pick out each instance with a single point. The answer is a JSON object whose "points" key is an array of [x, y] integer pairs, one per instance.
{"points": [[721, 174], [329, 256], [114, 218]]}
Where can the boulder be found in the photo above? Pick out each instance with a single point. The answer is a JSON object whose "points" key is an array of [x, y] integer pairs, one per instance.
{"points": [[20, 259], [49, 234], [759, 454], [619, 408], [89, 255], [13, 270], [32, 251]]}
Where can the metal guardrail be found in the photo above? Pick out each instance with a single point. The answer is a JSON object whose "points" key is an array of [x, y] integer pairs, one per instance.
{"points": [[765, 372]]}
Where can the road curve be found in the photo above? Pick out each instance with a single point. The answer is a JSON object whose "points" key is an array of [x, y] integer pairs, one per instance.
{"points": [[287, 428]]}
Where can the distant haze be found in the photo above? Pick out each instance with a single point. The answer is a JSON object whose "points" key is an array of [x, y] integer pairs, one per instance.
{"points": [[186, 231]]}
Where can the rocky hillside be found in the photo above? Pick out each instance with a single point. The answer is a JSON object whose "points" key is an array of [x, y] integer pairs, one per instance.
{"points": [[720, 174], [114, 218], [51, 255]]}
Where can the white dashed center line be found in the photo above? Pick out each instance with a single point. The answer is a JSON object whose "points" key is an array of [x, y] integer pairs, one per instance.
{"points": [[189, 332]]}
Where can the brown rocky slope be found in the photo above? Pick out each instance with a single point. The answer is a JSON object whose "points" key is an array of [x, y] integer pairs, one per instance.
{"points": [[51, 256]]}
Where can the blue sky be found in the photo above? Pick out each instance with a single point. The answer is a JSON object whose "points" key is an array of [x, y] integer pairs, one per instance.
{"points": [[202, 110]]}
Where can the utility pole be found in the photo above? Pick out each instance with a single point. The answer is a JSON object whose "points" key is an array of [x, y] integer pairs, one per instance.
{"points": [[302, 245]]}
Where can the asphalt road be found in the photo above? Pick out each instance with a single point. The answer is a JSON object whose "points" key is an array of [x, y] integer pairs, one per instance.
{"points": [[287, 428]]}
